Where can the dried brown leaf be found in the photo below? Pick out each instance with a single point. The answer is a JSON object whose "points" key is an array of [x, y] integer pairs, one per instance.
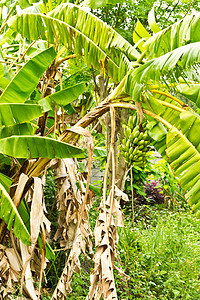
{"points": [[36, 215], [28, 274], [80, 130]]}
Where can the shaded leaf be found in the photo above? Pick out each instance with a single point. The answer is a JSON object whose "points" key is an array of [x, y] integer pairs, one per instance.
{"points": [[18, 129]]}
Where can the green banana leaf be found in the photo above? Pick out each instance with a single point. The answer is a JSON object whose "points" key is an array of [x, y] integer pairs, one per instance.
{"points": [[182, 146], [25, 81], [178, 34], [88, 36], [63, 97], [19, 129], [158, 133], [173, 64], [185, 162], [5, 181], [36, 146], [1, 70], [14, 113], [9, 213]]}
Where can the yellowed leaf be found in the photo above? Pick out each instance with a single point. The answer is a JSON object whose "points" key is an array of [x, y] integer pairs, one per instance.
{"points": [[80, 130]]}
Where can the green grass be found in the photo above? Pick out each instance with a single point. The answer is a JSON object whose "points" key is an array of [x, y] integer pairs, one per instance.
{"points": [[161, 254], [162, 257]]}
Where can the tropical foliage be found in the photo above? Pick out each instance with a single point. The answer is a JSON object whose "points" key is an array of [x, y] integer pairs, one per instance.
{"points": [[36, 96]]}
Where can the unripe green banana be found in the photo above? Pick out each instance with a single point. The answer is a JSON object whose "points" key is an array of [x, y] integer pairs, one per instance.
{"points": [[127, 146], [130, 151], [129, 132], [135, 141], [126, 132], [141, 142], [140, 137], [139, 164], [145, 136], [131, 122], [140, 158], [136, 132], [141, 147], [124, 142]]}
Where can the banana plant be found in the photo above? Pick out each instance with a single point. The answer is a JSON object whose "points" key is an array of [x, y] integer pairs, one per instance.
{"points": [[150, 75]]}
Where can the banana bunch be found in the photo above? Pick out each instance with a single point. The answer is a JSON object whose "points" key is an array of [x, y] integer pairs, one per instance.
{"points": [[134, 146]]}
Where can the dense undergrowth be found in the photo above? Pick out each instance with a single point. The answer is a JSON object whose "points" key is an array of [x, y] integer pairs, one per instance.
{"points": [[160, 255]]}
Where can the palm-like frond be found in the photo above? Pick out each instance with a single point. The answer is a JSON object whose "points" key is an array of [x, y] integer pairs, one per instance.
{"points": [[180, 33], [173, 64], [82, 33]]}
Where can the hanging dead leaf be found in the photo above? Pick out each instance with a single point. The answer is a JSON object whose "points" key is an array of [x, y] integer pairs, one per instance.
{"points": [[80, 130]]}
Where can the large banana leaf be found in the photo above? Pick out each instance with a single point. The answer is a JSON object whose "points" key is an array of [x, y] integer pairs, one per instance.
{"points": [[12, 114], [25, 81], [180, 33], [9, 213], [172, 64], [183, 150], [19, 129], [158, 104], [35, 146], [63, 97], [185, 161], [79, 30], [152, 21]]}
